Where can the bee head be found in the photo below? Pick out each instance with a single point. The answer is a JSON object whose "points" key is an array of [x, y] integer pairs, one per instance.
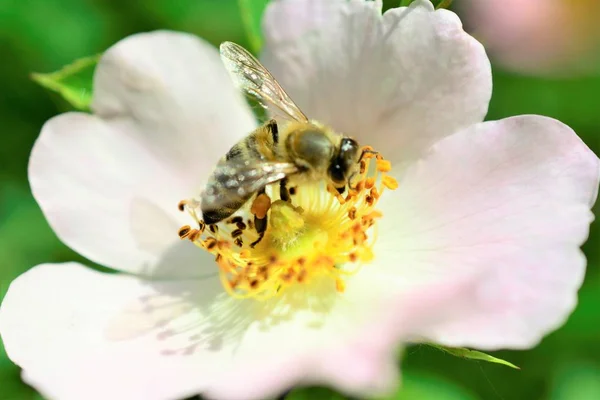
{"points": [[344, 161]]}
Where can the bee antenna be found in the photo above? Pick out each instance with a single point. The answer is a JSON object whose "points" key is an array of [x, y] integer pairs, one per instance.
{"points": [[367, 151]]}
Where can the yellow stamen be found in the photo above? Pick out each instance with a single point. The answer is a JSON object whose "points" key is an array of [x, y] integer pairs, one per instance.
{"points": [[320, 232], [384, 165], [389, 182]]}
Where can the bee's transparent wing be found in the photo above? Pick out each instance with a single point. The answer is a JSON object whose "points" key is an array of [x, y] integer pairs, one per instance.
{"points": [[233, 183], [251, 76]]}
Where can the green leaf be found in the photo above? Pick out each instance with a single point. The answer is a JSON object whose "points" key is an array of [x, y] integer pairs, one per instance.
{"points": [[405, 3], [473, 355], [73, 82], [252, 11]]}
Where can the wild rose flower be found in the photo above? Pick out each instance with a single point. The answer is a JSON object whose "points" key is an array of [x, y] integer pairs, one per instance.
{"points": [[478, 246], [537, 36]]}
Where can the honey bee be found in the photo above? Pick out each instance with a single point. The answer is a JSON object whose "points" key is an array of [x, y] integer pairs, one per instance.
{"points": [[289, 148]]}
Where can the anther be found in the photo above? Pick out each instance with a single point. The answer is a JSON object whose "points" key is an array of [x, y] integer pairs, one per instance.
{"points": [[236, 233], [193, 235], [184, 231], [369, 183], [384, 165], [210, 243], [352, 213], [373, 214], [236, 220], [389, 182], [360, 186], [292, 190], [223, 244], [241, 225], [374, 193], [213, 228], [181, 205]]}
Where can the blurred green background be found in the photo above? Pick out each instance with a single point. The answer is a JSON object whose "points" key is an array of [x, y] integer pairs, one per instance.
{"points": [[44, 35]]}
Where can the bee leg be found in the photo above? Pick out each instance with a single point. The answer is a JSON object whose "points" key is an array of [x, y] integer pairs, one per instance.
{"points": [[260, 224], [284, 193], [259, 208]]}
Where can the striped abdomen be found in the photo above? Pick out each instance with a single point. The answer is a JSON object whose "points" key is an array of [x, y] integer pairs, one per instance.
{"points": [[241, 173]]}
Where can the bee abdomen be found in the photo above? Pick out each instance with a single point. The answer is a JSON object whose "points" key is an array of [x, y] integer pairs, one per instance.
{"points": [[217, 215], [235, 152], [242, 172]]}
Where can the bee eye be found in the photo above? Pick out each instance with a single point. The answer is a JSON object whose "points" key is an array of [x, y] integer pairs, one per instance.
{"points": [[336, 173]]}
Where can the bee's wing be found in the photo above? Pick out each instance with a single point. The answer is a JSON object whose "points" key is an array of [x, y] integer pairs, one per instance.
{"points": [[233, 183], [251, 76]]}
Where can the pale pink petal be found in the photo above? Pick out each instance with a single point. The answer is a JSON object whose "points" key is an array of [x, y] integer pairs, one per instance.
{"points": [[109, 183], [351, 344], [510, 201], [398, 82], [79, 334], [171, 92]]}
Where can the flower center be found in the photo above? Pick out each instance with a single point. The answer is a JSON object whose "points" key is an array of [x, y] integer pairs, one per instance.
{"points": [[318, 232]]}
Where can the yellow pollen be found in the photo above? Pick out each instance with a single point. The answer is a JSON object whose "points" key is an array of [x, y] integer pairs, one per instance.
{"points": [[319, 232]]}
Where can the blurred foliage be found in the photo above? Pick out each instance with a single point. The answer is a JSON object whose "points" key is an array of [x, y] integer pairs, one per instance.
{"points": [[251, 11], [46, 35], [415, 386]]}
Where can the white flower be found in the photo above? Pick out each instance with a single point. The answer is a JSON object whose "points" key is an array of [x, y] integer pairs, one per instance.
{"points": [[479, 245]]}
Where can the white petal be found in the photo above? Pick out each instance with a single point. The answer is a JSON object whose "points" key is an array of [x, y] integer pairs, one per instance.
{"points": [[79, 334], [352, 339], [398, 82], [171, 92], [510, 202], [109, 184]]}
